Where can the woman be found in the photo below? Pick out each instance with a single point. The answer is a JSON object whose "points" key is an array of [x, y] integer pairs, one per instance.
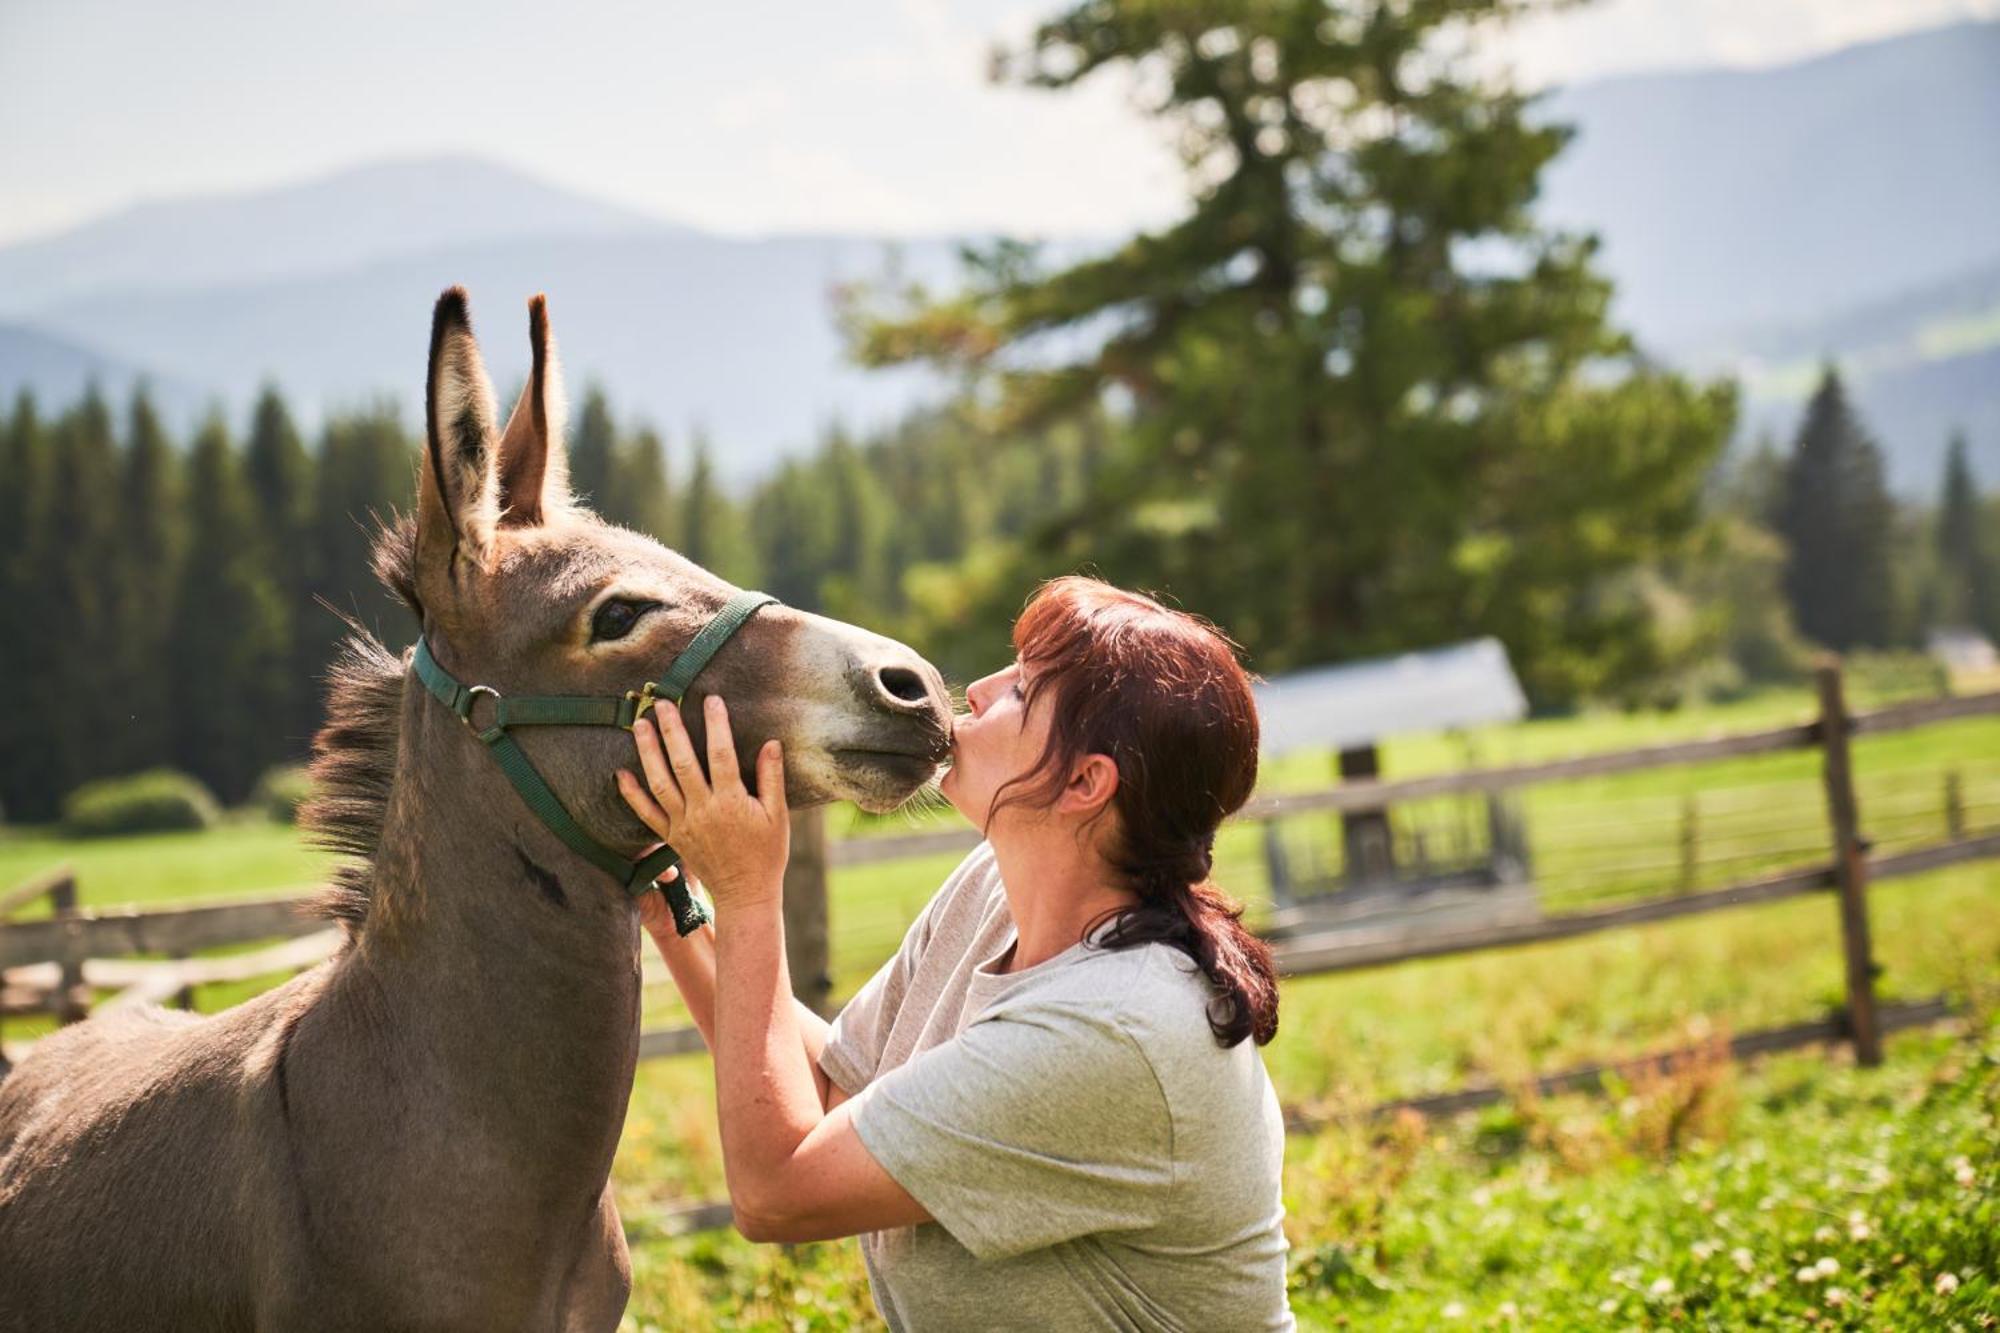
{"points": [[1047, 1110]]}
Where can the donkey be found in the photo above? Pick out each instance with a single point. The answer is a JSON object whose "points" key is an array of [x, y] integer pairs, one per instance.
{"points": [[418, 1133]]}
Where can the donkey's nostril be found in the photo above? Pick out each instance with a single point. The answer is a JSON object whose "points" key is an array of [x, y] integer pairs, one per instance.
{"points": [[902, 683]]}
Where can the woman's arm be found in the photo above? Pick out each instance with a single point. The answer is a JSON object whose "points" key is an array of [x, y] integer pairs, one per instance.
{"points": [[796, 1169], [691, 961]]}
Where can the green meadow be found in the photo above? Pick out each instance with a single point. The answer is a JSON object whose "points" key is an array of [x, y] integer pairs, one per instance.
{"points": [[1794, 1192]]}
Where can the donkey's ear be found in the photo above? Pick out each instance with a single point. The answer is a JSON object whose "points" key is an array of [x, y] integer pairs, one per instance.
{"points": [[457, 489], [534, 466]]}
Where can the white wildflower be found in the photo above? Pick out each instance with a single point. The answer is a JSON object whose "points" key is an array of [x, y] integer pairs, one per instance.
{"points": [[1609, 1305], [1828, 1266], [1662, 1286], [1807, 1274], [1825, 1235], [1962, 1172], [1946, 1283], [1742, 1258], [1835, 1296], [1455, 1310], [1706, 1249]]}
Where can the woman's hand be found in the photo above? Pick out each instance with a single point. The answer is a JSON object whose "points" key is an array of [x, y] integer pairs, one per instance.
{"points": [[737, 843]]}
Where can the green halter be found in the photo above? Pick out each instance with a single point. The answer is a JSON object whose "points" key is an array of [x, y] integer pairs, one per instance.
{"points": [[592, 711]]}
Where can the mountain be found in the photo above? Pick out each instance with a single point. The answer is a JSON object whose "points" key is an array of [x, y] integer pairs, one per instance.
{"points": [[58, 372], [736, 337], [1918, 365], [1729, 198], [322, 226]]}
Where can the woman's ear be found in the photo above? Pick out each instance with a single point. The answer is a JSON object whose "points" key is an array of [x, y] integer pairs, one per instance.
{"points": [[1092, 784]]}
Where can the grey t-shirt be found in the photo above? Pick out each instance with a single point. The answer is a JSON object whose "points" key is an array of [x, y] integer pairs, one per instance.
{"points": [[1094, 1159]]}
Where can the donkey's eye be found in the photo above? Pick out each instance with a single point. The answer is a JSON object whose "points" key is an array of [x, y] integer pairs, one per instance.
{"points": [[615, 619]]}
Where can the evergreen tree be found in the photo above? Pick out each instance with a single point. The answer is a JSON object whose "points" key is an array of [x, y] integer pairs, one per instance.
{"points": [[1839, 523], [30, 647], [228, 648], [593, 449], [151, 516], [859, 558], [367, 471], [1347, 424], [791, 522], [279, 473], [74, 639], [1971, 588], [713, 533], [640, 496]]}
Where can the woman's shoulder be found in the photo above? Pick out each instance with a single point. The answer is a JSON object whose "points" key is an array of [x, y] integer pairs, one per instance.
{"points": [[1152, 993]]}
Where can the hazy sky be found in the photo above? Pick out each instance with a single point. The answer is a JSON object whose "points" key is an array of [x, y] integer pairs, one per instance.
{"points": [[744, 116]]}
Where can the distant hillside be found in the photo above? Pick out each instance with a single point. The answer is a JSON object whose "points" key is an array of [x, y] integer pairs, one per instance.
{"points": [[321, 226], [686, 329], [58, 372], [1728, 198]]}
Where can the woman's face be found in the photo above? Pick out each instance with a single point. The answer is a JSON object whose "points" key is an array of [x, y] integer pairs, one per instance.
{"points": [[998, 741]]}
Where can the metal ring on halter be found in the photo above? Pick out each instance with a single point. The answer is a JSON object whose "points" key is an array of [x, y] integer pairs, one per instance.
{"points": [[472, 693]]}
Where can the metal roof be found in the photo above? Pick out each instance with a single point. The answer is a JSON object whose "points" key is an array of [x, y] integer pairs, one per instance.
{"points": [[1354, 703]]}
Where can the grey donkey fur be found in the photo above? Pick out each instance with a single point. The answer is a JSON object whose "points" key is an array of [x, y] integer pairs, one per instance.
{"points": [[418, 1133]]}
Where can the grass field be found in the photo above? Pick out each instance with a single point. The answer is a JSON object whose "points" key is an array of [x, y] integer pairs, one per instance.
{"points": [[1798, 1192]]}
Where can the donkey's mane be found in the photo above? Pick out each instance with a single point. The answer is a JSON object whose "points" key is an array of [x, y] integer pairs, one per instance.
{"points": [[354, 755]]}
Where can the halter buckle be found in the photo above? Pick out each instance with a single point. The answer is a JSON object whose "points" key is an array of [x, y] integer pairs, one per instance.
{"points": [[643, 700]]}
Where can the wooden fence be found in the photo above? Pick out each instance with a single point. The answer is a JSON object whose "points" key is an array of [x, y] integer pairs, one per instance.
{"points": [[51, 965]]}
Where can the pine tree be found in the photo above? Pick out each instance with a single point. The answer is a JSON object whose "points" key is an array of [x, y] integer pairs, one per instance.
{"points": [[1971, 588], [713, 533], [640, 496], [593, 450], [1838, 521], [791, 521], [151, 515], [279, 474], [30, 650], [1347, 428], [857, 582], [367, 471], [228, 648], [72, 567]]}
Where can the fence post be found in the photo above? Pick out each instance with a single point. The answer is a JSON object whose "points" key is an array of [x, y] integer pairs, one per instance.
{"points": [[1954, 805], [1850, 868], [72, 1001], [1690, 842], [806, 935]]}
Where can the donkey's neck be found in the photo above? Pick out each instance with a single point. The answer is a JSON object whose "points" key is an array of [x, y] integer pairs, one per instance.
{"points": [[508, 965]]}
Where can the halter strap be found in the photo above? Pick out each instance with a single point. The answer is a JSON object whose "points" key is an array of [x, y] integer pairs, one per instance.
{"points": [[591, 711]]}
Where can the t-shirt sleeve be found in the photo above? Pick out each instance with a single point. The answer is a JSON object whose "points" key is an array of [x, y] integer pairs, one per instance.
{"points": [[859, 1033], [1038, 1124]]}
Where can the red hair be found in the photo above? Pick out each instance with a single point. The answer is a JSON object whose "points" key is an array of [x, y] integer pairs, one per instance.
{"points": [[1161, 694]]}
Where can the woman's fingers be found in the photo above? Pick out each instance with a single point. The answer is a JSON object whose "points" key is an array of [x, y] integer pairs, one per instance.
{"points": [[680, 755], [771, 779], [659, 775], [644, 804], [723, 773]]}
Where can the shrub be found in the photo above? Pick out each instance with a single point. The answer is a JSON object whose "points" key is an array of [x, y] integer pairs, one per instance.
{"points": [[145, 802], [281, 791]]}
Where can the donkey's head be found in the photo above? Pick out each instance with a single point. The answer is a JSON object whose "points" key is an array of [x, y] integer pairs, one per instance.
{"points": [[522, 590]]}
